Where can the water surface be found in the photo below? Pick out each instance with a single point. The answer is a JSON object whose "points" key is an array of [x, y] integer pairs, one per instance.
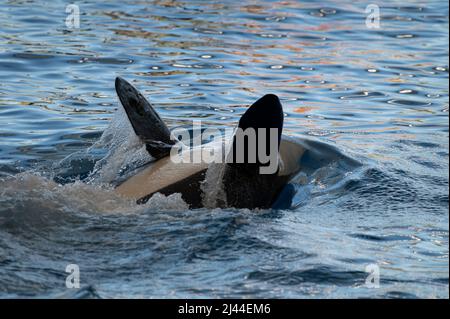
{"points": [[379, 97]]}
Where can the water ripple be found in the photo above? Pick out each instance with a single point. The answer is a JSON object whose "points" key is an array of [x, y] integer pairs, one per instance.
{"points": [[376, 97]]}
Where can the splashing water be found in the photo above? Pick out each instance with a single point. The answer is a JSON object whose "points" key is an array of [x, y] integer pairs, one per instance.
{"points": [[379, 96], [125, 150]]}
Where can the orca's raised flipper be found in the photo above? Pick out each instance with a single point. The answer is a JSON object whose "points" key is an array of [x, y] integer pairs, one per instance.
{"points": [[145, 121], [267, 112], [244, 184]]}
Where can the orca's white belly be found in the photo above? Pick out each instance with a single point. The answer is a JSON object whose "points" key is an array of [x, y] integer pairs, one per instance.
{"points": [[290, 156], [158, 175], [166, 172]]}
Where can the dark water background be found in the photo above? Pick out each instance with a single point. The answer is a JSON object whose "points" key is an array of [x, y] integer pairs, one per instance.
{"points": [[380, 96]]}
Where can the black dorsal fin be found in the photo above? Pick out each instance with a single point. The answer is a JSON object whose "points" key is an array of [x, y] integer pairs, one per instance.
{"points": [[145, 120]]}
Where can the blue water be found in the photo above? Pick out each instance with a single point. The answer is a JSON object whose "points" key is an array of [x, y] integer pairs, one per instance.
{"points": [[376, 97]]}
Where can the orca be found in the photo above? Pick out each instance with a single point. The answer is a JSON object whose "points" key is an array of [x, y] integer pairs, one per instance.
{"points": [[238, 184]]}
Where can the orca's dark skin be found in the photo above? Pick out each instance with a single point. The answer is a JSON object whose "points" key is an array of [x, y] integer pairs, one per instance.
{"points": [[243, 184], [145, 120], [189, 188]]}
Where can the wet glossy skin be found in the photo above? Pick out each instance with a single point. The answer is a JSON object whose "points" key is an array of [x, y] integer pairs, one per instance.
{"points": [[380, 96]]}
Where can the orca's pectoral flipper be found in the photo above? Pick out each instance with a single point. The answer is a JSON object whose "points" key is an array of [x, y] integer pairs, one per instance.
{"points": [[145, 120], [263, 116], [266, 113], [244, 181]]}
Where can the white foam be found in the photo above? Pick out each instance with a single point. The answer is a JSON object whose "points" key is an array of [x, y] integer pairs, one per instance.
{"points": [[125, 149], [212, 187], [76, 197], [213, 193], [166, 203], [31, 189]]}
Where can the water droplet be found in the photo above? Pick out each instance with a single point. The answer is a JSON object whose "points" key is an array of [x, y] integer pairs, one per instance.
{"points": [[272, 35], [206, 56], [98, 95], [433, 96], [207, 66], [406, 91], [178, 65], [317, 14], [362, 94], [339, 89], [276, 66], [398, 18], [328, 11], [404, 36], [306, 68], [406, 75], [275, 18], [83, 60], [315, 81], [155, 67], [372, 70], [440, 68]]}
